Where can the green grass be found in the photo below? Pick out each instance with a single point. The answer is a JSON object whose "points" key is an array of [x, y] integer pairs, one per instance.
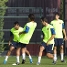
{"points": [[45, 62]]}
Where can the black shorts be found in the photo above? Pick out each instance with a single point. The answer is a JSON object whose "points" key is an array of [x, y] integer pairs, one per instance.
{"points": [[59, 41], [48, 48], [21, 45], [14, 44]]}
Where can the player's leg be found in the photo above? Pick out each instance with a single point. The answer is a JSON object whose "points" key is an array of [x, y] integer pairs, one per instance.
{"points": [[61, 44], [30, 58], [55, 53], [23, 50], [49, 54], [62, 53], [18, 48], [55, 49], [42, 47], [8, 54], [23, 54], [49, 51], [17, 55], [40, 54]]}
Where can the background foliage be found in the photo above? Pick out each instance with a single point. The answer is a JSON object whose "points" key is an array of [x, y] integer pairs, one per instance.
{"points": [[2, 13]]}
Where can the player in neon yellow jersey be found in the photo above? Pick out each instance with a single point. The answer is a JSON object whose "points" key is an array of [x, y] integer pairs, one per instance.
{"points": [[14, 35], [48, 40], [26, 35], [58, 25]]}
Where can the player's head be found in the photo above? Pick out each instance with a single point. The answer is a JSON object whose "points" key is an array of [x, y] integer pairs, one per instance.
{"points": [[31, 17], [44, 20], [16, 25], [57, 16]]}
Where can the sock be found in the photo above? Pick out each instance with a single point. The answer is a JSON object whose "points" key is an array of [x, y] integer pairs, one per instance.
{"points": [[6, 58], [62, 56], [17, 57], [30, 57], [23, 56], [55, 57], [39, 59]]}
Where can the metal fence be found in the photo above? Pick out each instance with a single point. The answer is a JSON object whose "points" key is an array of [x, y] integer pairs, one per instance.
{"points": [[20, 14]]}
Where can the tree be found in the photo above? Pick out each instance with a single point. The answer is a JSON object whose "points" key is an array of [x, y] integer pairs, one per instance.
{"points": [[2, 13]]}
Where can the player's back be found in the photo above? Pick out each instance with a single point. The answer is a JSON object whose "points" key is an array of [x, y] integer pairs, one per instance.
{"points": [[25, 38]]}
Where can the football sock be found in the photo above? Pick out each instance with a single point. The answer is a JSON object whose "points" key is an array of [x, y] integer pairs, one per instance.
{"points": [[62, 58], [6, 58], [30, 57], [17, 57], [39, 59], [23, 56], [55, 57]]}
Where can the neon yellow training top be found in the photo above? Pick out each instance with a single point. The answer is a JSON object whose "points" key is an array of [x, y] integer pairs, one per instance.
{"points": [[58, 26], [16, 33], [25, 38], [47, 34]]}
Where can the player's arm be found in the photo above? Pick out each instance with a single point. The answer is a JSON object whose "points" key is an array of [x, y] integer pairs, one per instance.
{"points": [[11, 37], [64, 32], [26, 30], [53, 35], [42, 35]]}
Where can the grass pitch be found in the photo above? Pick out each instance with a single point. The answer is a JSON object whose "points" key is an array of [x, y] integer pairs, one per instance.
{"points": [[45, 62]]}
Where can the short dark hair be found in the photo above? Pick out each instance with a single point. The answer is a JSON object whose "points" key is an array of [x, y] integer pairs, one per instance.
{"points": [[31, 16], [57, 13], [16, 22], [44, 19]]}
